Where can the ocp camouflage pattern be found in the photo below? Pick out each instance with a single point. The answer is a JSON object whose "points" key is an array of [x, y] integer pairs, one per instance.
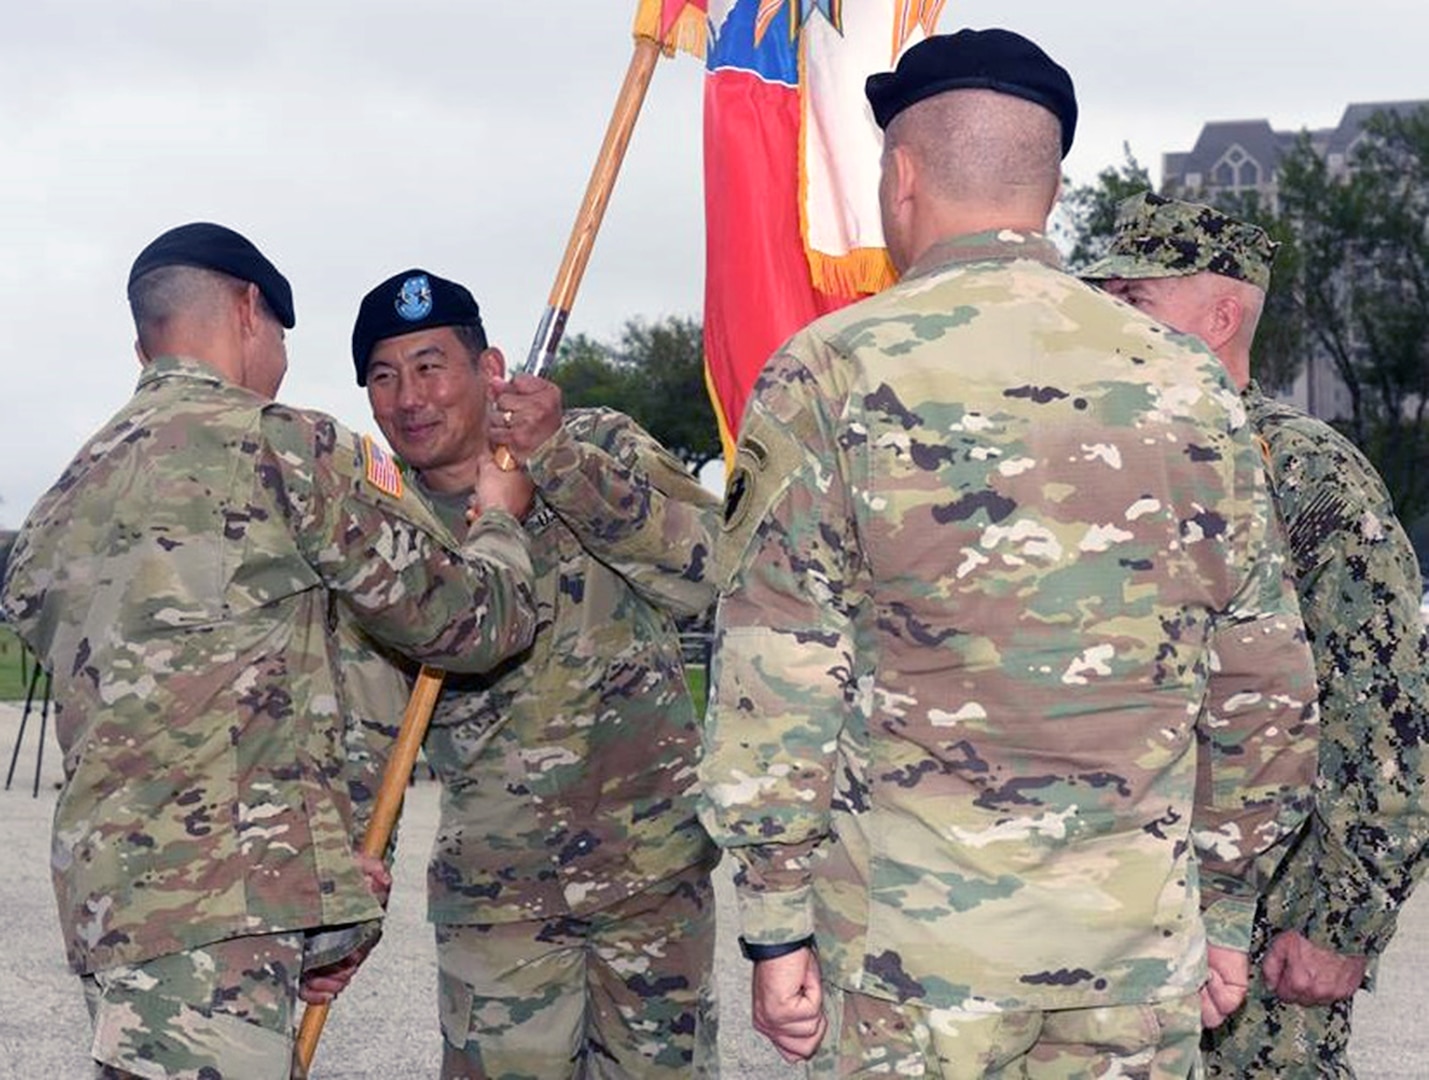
{"points": [[1002, 559], [568, 775], [231, 1001], [374, 688], [1357, 859], [178, 581]]}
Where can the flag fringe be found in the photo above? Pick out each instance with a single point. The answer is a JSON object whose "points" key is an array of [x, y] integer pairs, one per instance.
{"points": [[851, 274], [687, 34], [859, 272]]}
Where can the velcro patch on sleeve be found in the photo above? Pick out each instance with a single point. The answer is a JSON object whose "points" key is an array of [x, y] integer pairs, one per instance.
{"points": [[381, 469]]}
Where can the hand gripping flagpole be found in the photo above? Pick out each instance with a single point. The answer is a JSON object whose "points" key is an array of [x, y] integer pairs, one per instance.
{"points": [[543, 349]]}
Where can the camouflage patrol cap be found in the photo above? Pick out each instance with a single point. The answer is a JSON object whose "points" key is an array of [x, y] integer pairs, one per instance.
{"points": [[415, 299], [1159, 237]]}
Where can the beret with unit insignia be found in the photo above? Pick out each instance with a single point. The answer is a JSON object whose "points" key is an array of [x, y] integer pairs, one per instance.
{"points": [[412, 300]]}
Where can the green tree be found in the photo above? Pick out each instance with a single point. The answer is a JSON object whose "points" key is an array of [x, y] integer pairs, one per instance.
{"points": [[1360, 241], [1088, 211], [654, 373]]}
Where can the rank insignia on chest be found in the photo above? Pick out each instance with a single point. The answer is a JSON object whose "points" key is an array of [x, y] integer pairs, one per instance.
{"points": [[381, 468]]}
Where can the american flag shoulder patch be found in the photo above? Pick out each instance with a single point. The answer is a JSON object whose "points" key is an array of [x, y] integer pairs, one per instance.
{"points": [[381, 468]]}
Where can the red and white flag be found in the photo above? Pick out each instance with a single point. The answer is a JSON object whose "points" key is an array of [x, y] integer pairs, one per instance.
{"points": [[791, 172]]}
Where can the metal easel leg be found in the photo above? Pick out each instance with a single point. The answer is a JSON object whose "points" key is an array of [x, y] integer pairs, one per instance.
{"points": [[40, 749], [25, 719]]}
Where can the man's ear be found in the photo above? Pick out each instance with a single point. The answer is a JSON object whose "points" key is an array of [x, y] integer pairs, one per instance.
{"points": [[905, 174], [1223, 321], [492, 363], [250, 310]]}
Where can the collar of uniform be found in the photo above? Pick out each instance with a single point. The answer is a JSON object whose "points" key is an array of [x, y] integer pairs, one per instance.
{"points": [[995, 245], [450, 505], [162, 367]]}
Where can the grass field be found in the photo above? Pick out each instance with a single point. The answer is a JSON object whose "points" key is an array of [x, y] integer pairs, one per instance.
{"points": [[695, 676], [14, 666]]}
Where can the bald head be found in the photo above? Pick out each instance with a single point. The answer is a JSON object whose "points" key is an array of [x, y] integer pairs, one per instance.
{"points": [[965, 161]]}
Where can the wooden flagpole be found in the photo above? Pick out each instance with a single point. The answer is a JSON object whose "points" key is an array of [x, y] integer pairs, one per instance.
{"points": [[415, 719], [543, 348], [588, 218]]}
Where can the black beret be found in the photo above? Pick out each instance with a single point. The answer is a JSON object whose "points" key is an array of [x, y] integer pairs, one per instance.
{"points": [[975, 60], [213, 247], [409, 301]]}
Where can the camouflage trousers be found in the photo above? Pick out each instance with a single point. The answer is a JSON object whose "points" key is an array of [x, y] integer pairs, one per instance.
{"points": [[1268, 1038], [220, 1012], [627, 991], [870, 1036]]}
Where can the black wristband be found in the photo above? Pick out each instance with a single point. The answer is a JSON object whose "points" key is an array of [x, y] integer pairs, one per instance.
{"points": [[770, 952]]}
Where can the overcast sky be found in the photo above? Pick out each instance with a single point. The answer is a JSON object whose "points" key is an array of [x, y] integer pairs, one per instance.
{"points": [[352, 141]]}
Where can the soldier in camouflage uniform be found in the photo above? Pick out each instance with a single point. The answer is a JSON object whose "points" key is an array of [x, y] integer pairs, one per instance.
{"points": [[180, 580], [1003, 637], [1332, 907], [570, 881]]}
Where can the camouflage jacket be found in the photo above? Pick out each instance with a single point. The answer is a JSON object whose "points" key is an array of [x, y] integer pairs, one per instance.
{"points": [[180, 580], [568, 774], [1358, 581], [998, 555]]}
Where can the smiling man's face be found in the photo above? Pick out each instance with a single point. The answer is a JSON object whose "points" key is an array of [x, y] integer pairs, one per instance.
{"points": [[429, 396]]}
